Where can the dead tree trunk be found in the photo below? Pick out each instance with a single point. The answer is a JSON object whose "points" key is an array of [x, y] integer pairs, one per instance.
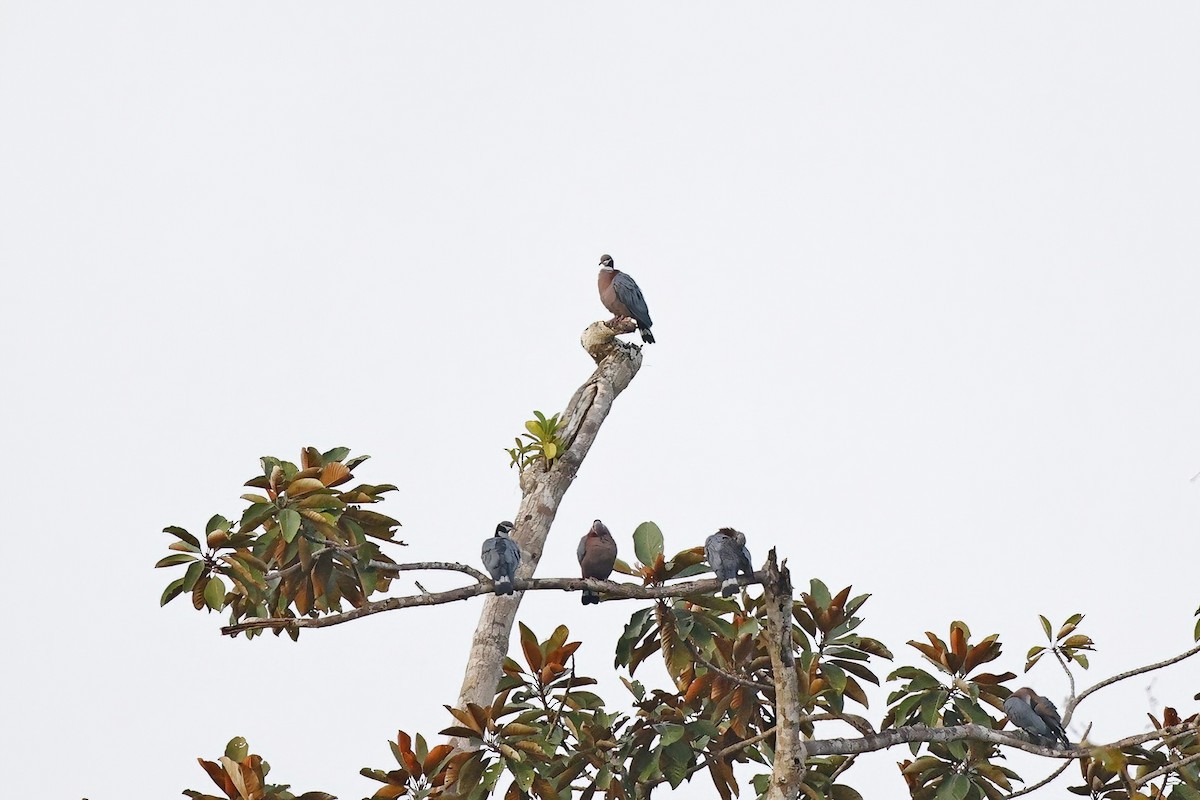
{"points": [[542, 490], [788, 770]]}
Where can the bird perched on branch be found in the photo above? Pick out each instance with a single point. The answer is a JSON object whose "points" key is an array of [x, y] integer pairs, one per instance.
{"points": [[501, 556], [727, 555], [597, 552], [1034, 714], [621, 295]]}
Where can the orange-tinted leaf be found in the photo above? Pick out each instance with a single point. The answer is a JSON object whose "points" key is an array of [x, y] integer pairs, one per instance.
{"points": [[529, 644]]}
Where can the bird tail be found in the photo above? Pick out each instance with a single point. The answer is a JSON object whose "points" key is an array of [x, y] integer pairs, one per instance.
{"points": [[504, 585], [647, 336], [590, 598], [729, 587]]}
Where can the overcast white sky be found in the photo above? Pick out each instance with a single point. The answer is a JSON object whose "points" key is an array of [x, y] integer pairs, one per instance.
{"points": [[923, 279]]}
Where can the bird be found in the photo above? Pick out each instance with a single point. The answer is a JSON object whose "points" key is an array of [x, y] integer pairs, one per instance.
{"points": [[501, 555], [727, 555], [597, 552], [1034, 714], [621, 295]]}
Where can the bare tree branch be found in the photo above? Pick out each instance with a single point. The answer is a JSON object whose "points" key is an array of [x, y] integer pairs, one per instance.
{"points": [[1043, 782], [609, 589], [1070, 677], [1163, 770], [921, 733], [1122, 676]]}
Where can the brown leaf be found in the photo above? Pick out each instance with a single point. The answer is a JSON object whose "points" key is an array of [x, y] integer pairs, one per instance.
{"points": [[334, 474], [435, 758]]}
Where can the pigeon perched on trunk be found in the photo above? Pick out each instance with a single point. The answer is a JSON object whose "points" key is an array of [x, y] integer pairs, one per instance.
{"points": [[1034, 714], [597, 552], [501, 556], [727, 555], [621, 295]]}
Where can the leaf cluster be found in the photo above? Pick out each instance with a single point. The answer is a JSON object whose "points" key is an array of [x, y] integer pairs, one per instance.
{"points": [[242, 775], [303, 548], [1066, 643], [541, 440], [545, 731], [653, 567], [1112, 774]]}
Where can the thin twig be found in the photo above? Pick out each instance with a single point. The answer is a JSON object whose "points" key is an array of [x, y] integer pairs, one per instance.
{"points": [[729, 675], [453, 566], [1171, 767], [1044, 781], [1122, 676], [847, 764], [1066, 669]]}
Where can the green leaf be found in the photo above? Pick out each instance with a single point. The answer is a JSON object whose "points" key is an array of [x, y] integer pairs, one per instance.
{"points": [[289, 523], [522, 772], [670, 733], [675, 760], [819, 592], [193, 574], [237, 749], [336, 454], [173, 590], [172, 560], [256, 515], [954, 787], [180, 533], [647, 543], [834, 676], [1045, 625], [214, 593], [216, 523]]}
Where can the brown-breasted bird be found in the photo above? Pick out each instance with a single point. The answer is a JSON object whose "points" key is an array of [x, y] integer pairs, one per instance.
{"points": [[501, 555], [597, 552], [1034, 714], [727, 555], [621, 295]]}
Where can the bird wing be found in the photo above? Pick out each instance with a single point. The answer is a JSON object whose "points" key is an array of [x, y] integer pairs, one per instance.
{"points": [[745, 559], [1021, 714], [491, 556], [712, 551], [1047, 711], [581, 551], [630, 295], [510, 556]]}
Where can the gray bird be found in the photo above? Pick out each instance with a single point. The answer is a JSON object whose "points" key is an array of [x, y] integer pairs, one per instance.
{"points": [[597, 552], [1034, 714], [501, 556], [621, 295], [727, 555]]}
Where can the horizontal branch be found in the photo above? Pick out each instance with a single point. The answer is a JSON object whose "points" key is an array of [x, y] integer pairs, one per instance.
{"points": [[1173, 766], [609, 589], [451, 566], [921, 733], [1122, 676]]}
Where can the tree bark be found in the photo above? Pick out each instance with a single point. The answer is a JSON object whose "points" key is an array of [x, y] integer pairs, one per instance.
{"points": [[542, 490], [787, 772]]}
